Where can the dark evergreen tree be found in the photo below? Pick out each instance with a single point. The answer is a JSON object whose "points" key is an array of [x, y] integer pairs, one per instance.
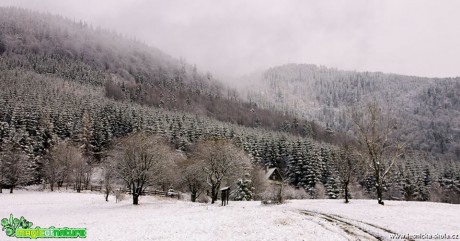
{"points": [[244, 191]]}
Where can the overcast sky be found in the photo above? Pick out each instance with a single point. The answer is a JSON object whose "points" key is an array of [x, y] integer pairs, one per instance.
{"points": [[234, 37]]}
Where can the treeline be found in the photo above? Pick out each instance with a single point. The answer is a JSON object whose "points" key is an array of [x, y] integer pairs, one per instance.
{"points": [[40, 112]]}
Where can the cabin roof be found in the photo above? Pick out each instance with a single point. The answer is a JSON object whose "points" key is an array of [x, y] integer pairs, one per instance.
{"points": [[270, 172]]}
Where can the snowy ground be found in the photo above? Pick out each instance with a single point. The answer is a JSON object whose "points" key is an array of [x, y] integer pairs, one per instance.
{"points": [[169, 219]]}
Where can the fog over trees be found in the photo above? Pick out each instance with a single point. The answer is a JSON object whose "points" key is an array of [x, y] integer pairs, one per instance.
{"points": [[428, 107]]}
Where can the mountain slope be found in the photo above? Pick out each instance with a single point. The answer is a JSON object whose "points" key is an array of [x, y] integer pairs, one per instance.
{"points": [[428, 108], [62, 80], [129, 70]]}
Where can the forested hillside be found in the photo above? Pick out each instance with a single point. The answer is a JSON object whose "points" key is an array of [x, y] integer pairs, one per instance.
{"points": [[62, 81], [128, 69], [428, 108]]}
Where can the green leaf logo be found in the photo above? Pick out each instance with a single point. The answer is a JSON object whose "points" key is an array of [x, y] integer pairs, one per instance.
{"points": [[10, 225]]}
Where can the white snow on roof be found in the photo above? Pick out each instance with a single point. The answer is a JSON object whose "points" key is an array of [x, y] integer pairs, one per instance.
{"points": [[269, 172]]}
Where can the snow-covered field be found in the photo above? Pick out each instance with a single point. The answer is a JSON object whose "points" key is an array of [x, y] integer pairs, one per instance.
{"points": [[159, 218]]}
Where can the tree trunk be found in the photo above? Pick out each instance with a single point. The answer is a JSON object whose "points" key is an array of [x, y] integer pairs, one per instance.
{"points": [[11, 188], [280, 194], [379, 188], [346, 192], [214, 194], [107, 196], [379, 196], [51, 186], [193, 197], [78, 184], [136, 191], [378, 181], [1, 179]]}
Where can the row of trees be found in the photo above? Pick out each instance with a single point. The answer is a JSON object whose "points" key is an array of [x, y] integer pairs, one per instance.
{"points": [[66, 164], [141, 161], [38, 113], [305, 165]]}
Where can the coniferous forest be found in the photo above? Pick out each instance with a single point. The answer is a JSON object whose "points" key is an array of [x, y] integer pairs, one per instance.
{"points": [[68, 89]]}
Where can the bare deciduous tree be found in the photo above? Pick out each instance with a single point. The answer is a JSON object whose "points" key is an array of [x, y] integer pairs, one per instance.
{"points": [[193, 177], [108, 175], [62, 161], [2, 170], [14, 165], [87, 174], [347, 165], [140, 161], [259, 182], [377, 133], [221, 161], [78, 166], [56, 165]]}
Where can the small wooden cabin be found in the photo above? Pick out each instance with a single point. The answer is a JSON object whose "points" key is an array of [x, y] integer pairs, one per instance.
{"points": [[273, 174]]}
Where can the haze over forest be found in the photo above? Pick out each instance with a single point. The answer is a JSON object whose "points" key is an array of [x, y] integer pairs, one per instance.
{"points": [[234, 38]]}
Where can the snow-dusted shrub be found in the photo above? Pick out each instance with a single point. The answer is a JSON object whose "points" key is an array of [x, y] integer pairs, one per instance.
{"points": [[274, 194], [203, 199], [436, 192], [259, 182], [290, 192], [35, 187], [119, 196], [356, 191], [319, 191]]}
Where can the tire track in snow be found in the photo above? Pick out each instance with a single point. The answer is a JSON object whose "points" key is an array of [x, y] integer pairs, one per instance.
{"points": [[365, 223], [350, 228], [348, 231]]}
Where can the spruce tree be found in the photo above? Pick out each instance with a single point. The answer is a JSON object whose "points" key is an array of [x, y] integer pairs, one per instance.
{"points": [[245, 190]]}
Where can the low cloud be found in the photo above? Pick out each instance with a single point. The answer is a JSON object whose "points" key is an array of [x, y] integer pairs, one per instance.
{"points": [[232, 38]]}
